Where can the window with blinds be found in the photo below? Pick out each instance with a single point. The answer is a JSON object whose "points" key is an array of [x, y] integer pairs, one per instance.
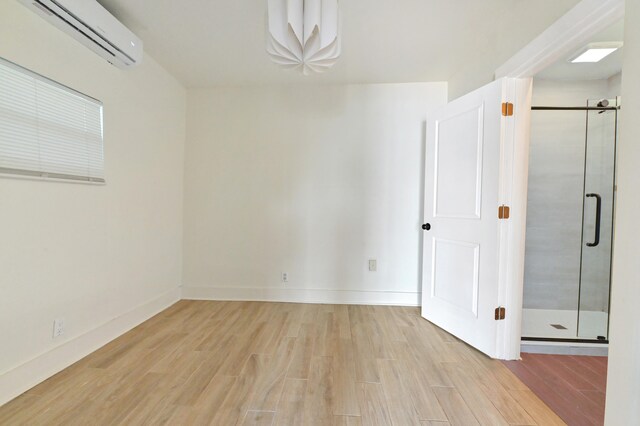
{"points": [[48, 130]]}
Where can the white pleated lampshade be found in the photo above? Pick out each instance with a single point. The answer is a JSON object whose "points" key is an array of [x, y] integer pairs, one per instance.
{"points": [[303, 34]]}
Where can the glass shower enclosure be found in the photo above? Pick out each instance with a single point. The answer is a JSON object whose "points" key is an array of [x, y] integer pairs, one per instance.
{"points": [[570, 215]]}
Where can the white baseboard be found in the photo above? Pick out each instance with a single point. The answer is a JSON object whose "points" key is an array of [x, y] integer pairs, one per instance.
{"points": [[297, 295], [22, 378]]}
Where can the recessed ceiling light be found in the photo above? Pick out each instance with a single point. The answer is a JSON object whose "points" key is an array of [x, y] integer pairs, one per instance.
{"points": [[595, 52], [594, 55]]}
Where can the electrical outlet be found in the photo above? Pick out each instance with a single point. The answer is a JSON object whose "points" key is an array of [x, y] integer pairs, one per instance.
{"points": [[373, 265], [285, 277], [58, 327]]}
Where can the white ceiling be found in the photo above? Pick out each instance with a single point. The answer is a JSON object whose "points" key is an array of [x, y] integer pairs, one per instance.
{"points": [[609, 66], [213, 42]]}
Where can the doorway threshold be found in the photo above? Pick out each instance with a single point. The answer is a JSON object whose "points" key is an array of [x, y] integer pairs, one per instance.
{"points": [[565, 347]]}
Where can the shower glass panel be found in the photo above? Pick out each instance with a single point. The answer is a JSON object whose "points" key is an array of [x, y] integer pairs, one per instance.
{"points": [[597, 228], [569, 222]]}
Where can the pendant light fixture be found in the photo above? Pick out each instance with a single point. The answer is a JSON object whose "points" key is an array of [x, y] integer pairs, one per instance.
{"points": [[303, 34]]}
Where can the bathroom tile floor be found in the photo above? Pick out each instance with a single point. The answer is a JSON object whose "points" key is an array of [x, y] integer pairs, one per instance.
{"points": [[572, 386]]}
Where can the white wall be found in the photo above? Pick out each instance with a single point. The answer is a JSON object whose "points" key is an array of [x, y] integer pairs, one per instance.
{"points": [[573, 92], [623, 385], [101, 257], [312, 181], [508, 30], [614, 85], [555, 197]]}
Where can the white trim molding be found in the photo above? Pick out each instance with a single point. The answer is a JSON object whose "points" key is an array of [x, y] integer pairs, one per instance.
{"points": [[563, 38], [302, 295], [22, 378]]}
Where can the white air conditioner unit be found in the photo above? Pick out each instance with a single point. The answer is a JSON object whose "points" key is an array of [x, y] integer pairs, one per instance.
{"points": [[92, 25]]}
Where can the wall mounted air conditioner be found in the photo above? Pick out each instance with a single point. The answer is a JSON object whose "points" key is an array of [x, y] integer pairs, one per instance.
{"points": [[92, 25]]}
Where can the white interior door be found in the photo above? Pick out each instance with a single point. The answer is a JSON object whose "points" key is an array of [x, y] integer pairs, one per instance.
{"points": [[460, 283]]}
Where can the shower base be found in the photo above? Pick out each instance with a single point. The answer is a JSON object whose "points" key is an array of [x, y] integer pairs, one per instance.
{"points": [[560, 324]]}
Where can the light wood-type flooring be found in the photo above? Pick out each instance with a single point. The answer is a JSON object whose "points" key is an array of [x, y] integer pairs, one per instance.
{"points": [[251, 363]]}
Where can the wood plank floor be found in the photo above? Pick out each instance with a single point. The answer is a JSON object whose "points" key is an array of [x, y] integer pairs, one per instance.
{"points": [[574, 386], [251, 363]]}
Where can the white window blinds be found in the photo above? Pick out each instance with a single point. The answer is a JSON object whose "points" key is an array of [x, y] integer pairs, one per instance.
{"points": [[47, 129]]}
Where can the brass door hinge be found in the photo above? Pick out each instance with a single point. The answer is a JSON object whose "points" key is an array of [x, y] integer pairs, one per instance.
{"points": [[501, 313], [507, 109], [504, 212]]}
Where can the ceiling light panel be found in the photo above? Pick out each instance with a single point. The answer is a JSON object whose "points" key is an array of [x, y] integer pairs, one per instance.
{"points": [[595, 52]]}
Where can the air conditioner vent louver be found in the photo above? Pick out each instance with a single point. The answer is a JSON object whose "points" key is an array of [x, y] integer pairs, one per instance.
{"points": [[43, 8], [92, 25]]}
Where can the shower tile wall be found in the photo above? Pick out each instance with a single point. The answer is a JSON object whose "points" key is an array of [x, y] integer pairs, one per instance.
{"points": [[556, 177], [554, 212]]}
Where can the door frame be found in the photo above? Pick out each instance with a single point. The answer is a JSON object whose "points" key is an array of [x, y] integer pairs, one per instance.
{"points": [[561, 39]]}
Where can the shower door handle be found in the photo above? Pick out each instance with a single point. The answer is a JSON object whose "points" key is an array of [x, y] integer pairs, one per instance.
{"points": [[596, 239]]}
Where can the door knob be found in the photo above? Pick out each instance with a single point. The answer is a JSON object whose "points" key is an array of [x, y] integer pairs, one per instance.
{"points": [[426, 226]]}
